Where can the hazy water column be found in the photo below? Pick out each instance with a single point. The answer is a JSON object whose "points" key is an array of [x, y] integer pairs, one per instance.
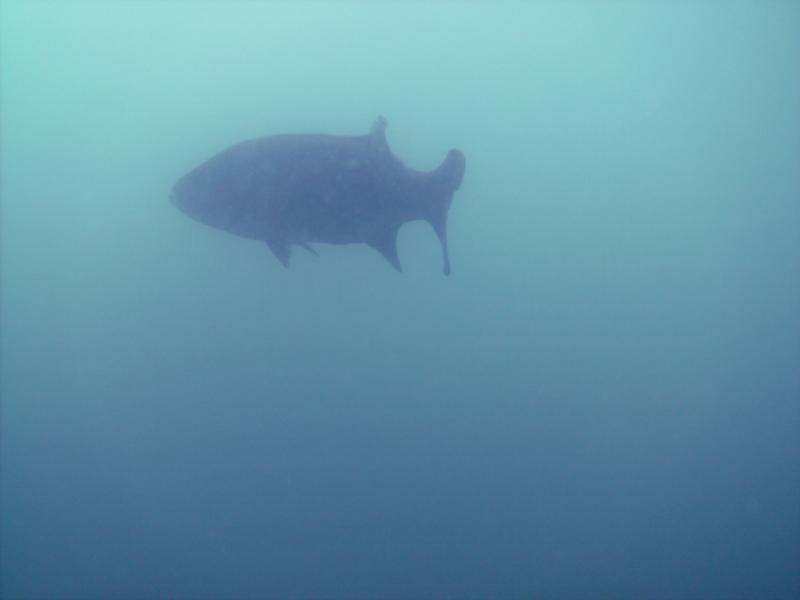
{"points": [[601, 401]]}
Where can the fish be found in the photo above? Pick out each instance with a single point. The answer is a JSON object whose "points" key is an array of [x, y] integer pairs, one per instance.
{"points": [[301, 189]]}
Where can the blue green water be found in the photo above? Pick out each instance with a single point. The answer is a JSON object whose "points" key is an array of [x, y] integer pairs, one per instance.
{"points": [[602, 401]]}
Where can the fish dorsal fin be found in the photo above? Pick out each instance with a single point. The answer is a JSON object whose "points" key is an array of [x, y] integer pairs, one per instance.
{"points": [[385, 242], [378, 130]]}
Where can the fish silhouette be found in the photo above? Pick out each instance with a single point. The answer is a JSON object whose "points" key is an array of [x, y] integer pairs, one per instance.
{"points": [[303, 189]]}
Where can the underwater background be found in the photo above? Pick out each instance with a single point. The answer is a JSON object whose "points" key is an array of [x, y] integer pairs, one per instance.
{"points": [[602, 401]]}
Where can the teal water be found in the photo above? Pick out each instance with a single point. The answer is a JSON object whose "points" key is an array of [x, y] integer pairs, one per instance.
{"points": [[602, 401]]}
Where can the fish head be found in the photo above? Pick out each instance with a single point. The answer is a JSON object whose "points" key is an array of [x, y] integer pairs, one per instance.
{"points": [[203, 195]]}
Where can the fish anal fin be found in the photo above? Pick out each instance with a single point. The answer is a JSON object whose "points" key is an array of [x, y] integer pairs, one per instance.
{"points": [[385, 242]]}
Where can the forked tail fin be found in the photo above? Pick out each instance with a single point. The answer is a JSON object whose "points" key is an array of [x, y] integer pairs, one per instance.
{"points": [[451, 171], [448, 179]]}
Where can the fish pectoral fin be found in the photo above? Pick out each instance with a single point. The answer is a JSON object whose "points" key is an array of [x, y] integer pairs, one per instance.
{"points": [[281, 249], [308, 247], [386, 243]]}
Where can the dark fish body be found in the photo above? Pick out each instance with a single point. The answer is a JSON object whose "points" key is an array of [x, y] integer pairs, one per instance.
{"points": [[301, 189]]}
